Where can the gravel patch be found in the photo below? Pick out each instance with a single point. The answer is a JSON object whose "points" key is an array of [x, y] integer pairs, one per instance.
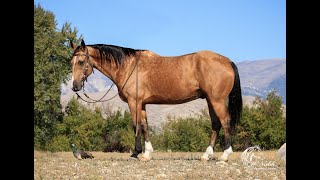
{"points": [[63, 165]]}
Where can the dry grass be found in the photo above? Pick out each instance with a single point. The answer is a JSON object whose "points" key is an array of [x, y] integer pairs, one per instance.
{"points": [[63, 165]]}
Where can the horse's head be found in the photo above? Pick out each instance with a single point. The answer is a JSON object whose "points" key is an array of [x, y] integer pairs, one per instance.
{"points": [[81, 65]]}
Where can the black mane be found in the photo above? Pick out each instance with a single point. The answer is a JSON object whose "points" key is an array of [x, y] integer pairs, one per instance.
{"points": [[117, 53]]}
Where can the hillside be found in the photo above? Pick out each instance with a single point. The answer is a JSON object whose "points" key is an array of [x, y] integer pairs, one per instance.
{"points": [[261, 76]]}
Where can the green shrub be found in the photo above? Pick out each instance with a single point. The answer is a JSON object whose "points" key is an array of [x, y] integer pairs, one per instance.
{"points": [[184, 134], [59, 143], [119, 132], [81, 126], [263, 124]]}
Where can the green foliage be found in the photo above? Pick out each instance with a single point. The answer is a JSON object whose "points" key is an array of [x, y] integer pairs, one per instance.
{"points": [[51, 67], [184, 134], [90, 131], [119, 132], [81, 126], [263, 124], [59, 143]]}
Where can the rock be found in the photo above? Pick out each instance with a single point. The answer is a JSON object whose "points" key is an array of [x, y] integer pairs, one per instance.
{"points": [[238, 171], [282, 152]]}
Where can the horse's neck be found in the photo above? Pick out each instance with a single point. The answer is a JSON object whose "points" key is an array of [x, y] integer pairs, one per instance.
{"points": [[117, 73]]}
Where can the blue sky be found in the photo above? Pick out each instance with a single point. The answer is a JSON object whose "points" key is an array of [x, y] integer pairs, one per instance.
{"points": [[238, 29]]}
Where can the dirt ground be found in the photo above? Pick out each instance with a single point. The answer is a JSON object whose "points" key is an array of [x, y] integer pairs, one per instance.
{"points": [[165, 165]]}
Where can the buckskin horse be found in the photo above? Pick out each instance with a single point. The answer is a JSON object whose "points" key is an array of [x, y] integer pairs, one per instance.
{"points": [[143, 77]]}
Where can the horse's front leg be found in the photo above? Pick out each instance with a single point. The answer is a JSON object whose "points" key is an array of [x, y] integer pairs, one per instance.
{"points": [[136, 120], [148, 149]]}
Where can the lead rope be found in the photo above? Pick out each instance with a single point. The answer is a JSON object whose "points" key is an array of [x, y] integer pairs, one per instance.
{"points": [[137, 128], [101, 97], [94, 101]]}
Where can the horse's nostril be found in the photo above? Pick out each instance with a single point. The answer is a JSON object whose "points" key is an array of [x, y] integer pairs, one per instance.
{"points": [[74, 84]]}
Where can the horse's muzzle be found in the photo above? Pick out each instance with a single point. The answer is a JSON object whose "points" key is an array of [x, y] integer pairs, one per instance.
{"points": [[75, 87]]}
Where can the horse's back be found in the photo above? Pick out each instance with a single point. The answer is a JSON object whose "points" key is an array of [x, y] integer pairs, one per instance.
{"points": [[178, 77], [212, 57]]}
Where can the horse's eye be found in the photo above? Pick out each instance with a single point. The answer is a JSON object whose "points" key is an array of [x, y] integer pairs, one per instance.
{"points": [[80, 63]]}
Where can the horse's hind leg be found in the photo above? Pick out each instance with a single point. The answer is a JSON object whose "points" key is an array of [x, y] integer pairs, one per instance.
{"points": [[147, 144], [216, 126], [224, 117], [220, 109]]}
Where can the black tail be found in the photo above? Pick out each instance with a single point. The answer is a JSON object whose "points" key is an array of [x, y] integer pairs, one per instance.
{"points": [[235, 99]]}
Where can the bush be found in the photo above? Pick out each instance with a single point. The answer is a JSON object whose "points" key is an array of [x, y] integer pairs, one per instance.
{"points": [[59, 143], [119, 132], [263, 124], [81, 126], [184, 134], [88, 130]]}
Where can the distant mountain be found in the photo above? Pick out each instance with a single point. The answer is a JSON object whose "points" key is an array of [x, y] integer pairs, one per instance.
{"points": [[261, 76]]}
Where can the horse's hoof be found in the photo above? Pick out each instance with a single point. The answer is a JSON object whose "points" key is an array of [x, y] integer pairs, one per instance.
{"points": [[134, 158], [144, 159]]}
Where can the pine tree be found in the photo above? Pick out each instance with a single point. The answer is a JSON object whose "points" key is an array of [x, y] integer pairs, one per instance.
{"points": [[51, 67]]}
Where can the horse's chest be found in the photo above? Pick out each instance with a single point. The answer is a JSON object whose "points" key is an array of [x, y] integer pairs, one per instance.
{"points": [[123, 97]]}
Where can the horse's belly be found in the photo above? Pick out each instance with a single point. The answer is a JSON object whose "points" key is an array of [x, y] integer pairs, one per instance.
{"points": [[174, 98]]}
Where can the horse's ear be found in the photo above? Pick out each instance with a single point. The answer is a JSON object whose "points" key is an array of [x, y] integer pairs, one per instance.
{"points": [[72, 45], [83, 45]]}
